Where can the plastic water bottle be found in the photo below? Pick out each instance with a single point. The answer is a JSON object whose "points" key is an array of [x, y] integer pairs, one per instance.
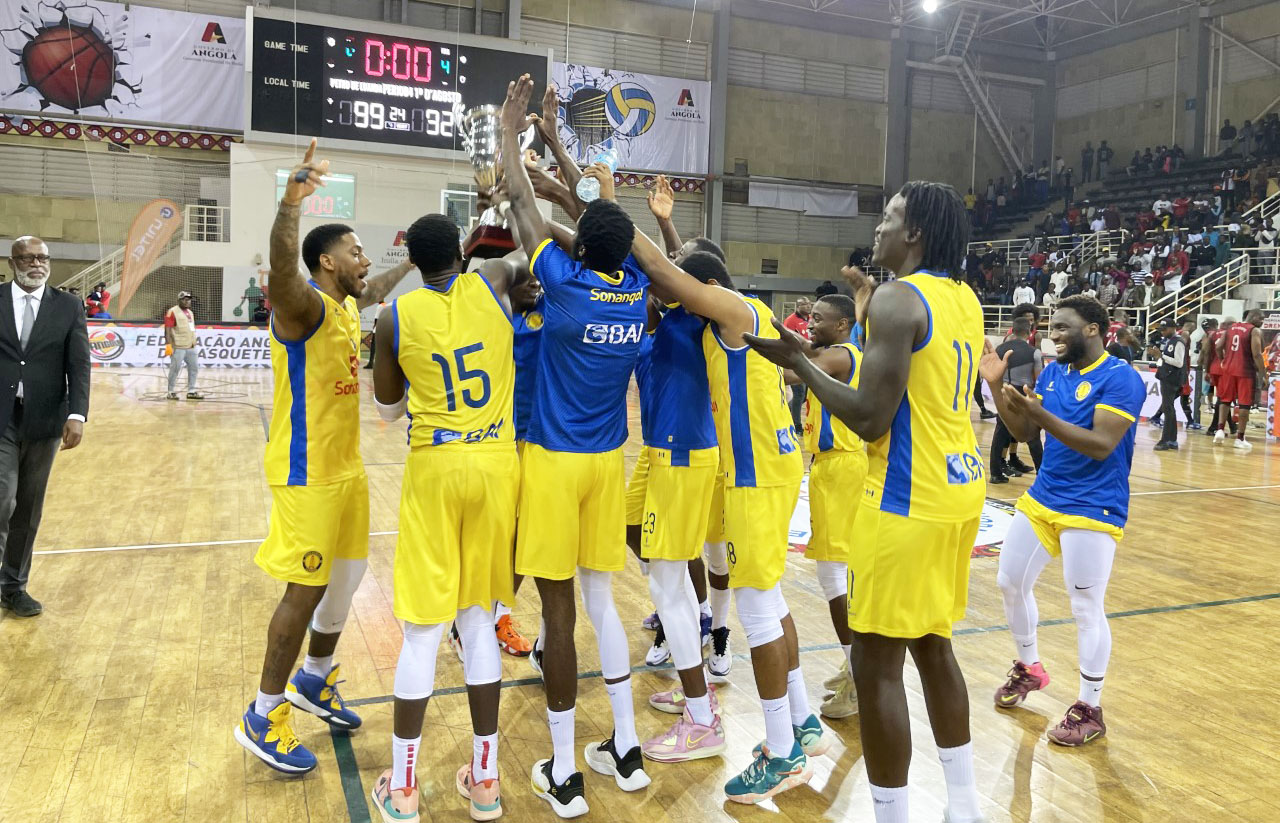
{"points": [[589, 188]]}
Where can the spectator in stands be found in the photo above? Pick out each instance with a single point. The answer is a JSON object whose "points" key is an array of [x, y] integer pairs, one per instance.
{"points": [[1109, 295], [1024, 293], [1042, 182], [1148, 160], [1074, 287], [991, 190], [1181, 206], [1099, 223], [1104, 160], [98, 301], [1241, 179], [1050, 298], [1059, 166], [1088, 290], [1049, 224], [1245, 140], [973, 269], [1226, 137], [1266, 255], [825, 288], [1177, 155], [1202, 256], [1111, 215], [1068, 190], [969, 202], [180, 345], [1162, 206], [1060, 278], [1135, 164], [1086, 162], [1001, 200], [1228, 185]]}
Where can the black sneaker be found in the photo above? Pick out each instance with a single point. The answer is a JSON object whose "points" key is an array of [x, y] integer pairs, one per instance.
{"points": [[986, 415], [566, 799], [628, 771], [1015, 463], [997, 477]]}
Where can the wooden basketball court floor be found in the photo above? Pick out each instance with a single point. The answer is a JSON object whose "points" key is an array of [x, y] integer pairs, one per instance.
{"points": [[118, 702]]}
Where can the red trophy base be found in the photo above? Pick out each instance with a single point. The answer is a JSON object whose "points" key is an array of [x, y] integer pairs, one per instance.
{"points": [[488, 242]]}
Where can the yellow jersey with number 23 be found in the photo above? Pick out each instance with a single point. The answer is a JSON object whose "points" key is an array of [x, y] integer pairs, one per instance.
{"points": [[927, 465]]}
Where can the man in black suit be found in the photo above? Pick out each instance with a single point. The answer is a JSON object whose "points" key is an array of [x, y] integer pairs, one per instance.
{"points": [[44, 400]]}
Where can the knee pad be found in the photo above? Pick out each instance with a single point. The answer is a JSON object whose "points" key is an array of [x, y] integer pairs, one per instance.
{"points": [[1086, 609], [416, 668], [833, 577], [481, 660], [717, 558], [330, 615], [758, 612]]}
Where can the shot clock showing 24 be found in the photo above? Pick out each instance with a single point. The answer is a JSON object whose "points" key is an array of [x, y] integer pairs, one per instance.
{"points": [[337, 83]]}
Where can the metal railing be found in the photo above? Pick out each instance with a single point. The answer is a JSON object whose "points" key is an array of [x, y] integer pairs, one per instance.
{"points": [[110, 269], [1193, 297], [1266, 210], [211, 224], [1082, 247]]}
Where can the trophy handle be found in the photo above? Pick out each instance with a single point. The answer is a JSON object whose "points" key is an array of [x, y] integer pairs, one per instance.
{"points": [[461, 123]]}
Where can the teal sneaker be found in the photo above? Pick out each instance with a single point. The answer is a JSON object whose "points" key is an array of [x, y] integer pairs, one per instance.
{"points": [[768, 775], [810, 737], [319, 696]]}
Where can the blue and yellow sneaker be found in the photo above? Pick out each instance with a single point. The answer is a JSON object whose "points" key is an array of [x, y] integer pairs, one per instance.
{"points": [[319, 696], [808, 735], [769, 774], [272, 740]]}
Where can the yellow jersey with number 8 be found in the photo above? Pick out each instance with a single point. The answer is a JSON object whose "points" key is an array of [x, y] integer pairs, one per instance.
{"points": [[315, 415], [758, 442], [454, 345], [927, 465]]}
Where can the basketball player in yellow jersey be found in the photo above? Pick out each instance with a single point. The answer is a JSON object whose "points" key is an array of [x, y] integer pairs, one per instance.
{"points": [[761, 464], [836, 477], [445, 357], [924, 491], [318, 540]]}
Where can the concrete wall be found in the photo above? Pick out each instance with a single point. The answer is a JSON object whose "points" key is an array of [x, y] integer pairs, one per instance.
{"points": [[1243, 100], [622, 15], [941, 148], [813, 262]]}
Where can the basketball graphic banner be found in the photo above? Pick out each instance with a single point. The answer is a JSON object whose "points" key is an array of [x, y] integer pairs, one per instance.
{"points": [[84, 59], [148, 237], [655, 123]]}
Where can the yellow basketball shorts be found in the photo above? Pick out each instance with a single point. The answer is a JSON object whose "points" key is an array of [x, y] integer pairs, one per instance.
{"points": [[571, 513], [311, 526], [910, 577], [457, 521], [715, 513], [1049, 524], [676, 511], [757, 532], [637, 487], [836, 479]]}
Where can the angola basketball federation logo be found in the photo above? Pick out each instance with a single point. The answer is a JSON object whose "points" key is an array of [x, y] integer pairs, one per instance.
{"points": [[70, 63], [1082, 390], [312, 561]]}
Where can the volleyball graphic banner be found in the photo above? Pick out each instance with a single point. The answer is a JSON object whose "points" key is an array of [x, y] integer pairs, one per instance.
{"points": [[94, 60], [655, 123]]}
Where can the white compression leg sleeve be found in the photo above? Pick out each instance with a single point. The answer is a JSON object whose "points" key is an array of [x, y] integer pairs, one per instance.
{"points": [[481, 659], [597, 598], [760, 613], [1022, 558], [416, 669], [716, 556], [331, 612], [673, 594], [1086, 568], [833, 577]]}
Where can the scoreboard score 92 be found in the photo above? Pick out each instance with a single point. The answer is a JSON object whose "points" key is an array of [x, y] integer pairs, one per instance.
{"points": [[341, 84]]}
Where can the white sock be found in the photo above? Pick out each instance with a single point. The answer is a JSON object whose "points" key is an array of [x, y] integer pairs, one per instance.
{"points": [[404, 757], [565, 758], [319, 666], [624, 716], [700, 709], [962, 790], [1028, 649], [848, 654], [719, 600], [500, 610], [704, 608], [797, 697], [267, 702], [777, 726], [484, 756], [1091, 691], [891, 804]]}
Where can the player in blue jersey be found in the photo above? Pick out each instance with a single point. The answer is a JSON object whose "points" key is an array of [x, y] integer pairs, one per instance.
{"points": [[1088, 403], [572, 518]]}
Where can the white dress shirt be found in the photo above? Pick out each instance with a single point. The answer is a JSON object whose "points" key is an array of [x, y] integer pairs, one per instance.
{"points": [[19, 309]]}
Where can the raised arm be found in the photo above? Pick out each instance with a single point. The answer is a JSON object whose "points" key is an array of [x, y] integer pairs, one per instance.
{"points": [[548, 129], [377, 288], [529, 223], [720, 305], [662, 202], [296, 307]]}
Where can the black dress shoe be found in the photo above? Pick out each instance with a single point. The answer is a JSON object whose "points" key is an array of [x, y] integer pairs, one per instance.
{"points": [[997, 477], [1016, 464], [21, 604]]}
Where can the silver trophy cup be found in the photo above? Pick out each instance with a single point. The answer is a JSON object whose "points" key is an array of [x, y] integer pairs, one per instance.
{"points": [[481, 133]]}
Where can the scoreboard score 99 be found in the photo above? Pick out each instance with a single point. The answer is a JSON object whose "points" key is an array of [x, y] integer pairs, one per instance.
{"points": [[341, 84]]}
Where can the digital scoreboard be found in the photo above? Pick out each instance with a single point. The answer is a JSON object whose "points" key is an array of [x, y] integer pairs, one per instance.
{"points": [[341, 84]]}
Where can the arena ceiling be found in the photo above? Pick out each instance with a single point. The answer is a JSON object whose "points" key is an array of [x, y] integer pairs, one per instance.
{"points": [[1040, 24]]}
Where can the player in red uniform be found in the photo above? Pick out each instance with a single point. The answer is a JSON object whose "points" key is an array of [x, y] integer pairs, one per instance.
{"points": [[1119, 319], [1240, 350]]}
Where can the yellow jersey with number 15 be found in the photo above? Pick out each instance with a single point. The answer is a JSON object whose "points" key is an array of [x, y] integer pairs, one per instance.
{"points": [[454, 345], [315, 415], [758, 443], [927, 465]]}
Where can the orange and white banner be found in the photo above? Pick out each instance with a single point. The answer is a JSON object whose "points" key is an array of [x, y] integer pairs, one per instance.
{"points": [[148, 236]]}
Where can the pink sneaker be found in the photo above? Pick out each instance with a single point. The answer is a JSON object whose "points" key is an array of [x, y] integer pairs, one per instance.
{"points": [[686, 740], [395, 805], [486, 799], [672, 701], [1023, 680], [1082, 724]]}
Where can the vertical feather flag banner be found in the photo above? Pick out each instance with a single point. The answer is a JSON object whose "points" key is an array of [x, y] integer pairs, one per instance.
{"points": [[148, 237]]}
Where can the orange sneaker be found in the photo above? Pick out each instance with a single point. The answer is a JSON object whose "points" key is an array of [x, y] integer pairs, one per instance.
{"points": [[395, 805], [486, 799], [510, 639]]}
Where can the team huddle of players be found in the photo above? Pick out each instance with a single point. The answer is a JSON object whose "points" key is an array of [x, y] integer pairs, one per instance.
{"points": [[514, 378]]}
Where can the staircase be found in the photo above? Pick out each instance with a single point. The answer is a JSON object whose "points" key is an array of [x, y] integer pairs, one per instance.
{"points": [[1195, 297], [110, 269], [956, 45], [979, 94]]}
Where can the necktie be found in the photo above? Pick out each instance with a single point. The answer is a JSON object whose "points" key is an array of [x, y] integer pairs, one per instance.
{"points": [[28, 320]]}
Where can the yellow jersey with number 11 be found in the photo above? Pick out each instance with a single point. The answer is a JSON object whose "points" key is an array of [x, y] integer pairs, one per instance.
{"points": [[927, 465]]}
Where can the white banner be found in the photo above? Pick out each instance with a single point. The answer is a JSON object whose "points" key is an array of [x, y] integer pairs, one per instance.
{"points": [[91, 59], [655, 123], [143, 345]]}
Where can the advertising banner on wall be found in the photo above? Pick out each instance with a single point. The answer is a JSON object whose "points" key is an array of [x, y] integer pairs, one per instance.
{"points": [[655, 123], [142, 344], [91, 59]]}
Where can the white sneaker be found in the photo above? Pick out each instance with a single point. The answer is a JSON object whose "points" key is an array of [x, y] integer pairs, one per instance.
{"points": [[1243, 445], [1219, 437], [455, 642], [834, 682], [659, 652], [721, 659]]}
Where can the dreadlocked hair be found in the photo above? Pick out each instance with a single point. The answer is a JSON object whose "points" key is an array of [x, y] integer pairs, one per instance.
{"points": [[936, 210]]}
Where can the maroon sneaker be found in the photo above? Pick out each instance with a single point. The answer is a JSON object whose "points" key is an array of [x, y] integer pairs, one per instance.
{"points": [[1082, 724], [1023, 680]]}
